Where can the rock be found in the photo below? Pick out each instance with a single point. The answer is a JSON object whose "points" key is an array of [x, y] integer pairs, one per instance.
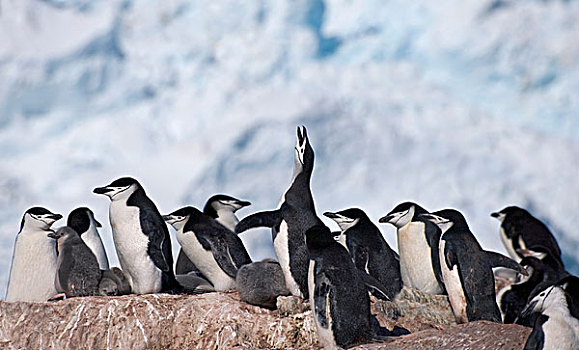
{"points": [[222, 320]]}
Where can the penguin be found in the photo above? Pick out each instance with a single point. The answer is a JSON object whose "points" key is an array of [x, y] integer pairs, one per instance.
{"points": [[521, 230], [368, 249], [114, 282], [141, 237], [83, 222], [216, 251], [339, 300], [222, 208], [467, 269], [77, 271], [34, 259], [294, 215], [556, 327], [418, 248], [261, 282]]}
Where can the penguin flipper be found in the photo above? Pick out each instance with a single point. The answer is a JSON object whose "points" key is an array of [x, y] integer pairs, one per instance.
{"points": [[159, 248], [322, 291], [220, 251], [375, 287], [260, 219], [499, 260], [536, 339], [237, 251], [360, 255]]}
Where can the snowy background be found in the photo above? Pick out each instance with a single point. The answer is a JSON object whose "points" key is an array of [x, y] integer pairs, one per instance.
{"points": [[466, 104]]}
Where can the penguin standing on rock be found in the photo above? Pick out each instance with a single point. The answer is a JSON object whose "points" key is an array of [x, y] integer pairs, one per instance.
{"points": [[418, 247], [216, 251], [467, 269], [83, 222], [141, 237], [295, 214], [368, 249], [34, 259]]}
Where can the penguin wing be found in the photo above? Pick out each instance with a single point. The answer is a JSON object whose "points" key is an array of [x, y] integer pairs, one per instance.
{"points": [[375, 287], [260, 219], [323, 294], [64, 269], [159, 248], [499, 260], [536, 340], [210, 238], [360, 255], [237, 251]]}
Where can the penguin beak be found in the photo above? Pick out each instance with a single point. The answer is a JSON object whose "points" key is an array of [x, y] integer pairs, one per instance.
{"points": [[102, 190], [55, 217], [495, 215], [331, 215], [167, 218], [97, 224], [528, 309], [386, 219], [52, 235], [242, 204]]}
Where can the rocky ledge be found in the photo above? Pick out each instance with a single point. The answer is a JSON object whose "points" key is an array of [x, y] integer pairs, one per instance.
{"points": [[222, 321]]}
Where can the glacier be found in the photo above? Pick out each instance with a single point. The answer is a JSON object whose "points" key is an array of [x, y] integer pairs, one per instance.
{"points": [[465, 104]]}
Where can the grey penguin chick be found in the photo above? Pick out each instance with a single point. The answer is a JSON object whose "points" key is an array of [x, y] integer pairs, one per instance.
{"points": [[114, 282], [83, 222], [78, 272], [261, 282], [34, 259]]}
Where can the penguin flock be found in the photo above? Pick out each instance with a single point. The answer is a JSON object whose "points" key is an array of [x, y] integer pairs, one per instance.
{"points": [[335, 271]]}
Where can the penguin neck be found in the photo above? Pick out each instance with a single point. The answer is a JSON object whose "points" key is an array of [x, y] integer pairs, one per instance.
{"points": [[227, 218], [32, 225]]}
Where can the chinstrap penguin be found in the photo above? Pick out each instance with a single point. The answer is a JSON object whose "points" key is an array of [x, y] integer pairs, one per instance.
{"points": [[77, 273], [83, 222], [418, 248], [141, 237], [34, 259], [368, 249], [294, 215], [216, 251]]}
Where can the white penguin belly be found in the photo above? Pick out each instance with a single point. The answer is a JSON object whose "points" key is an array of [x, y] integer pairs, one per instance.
{"points": [[281, 248], [453, 287], [132, 245], [509, 246], [33, 268], [561, 333], [93, 241], [205, 261], [415, 259], [325, 335]]}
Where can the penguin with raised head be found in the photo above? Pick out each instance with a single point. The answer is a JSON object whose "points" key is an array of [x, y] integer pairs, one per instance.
{"points": [[418, 248], [222, 208], [467, 268], [368, 249], [77, 272], [34, 259], [557, 326], [83, 222], [521, 230], [141, 237], [216, 251], [295, 214]]}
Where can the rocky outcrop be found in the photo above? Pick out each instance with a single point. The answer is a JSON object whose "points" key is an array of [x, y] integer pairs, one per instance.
{"points": [[221, 320]]}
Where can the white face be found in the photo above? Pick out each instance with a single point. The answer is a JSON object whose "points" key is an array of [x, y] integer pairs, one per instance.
{"points": [[546, 299], [177, 221], [401, 219], [345, 222], [227, 204], [501, 217], [442, 223], [120, 192], [39, 221]]}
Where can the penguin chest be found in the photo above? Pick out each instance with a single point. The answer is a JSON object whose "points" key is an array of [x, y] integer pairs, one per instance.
{"points": [[453, 286], [415, 259], [508, 243], [281, 248], [93, 241], [321, 305], [205, 261], [561, 332], [33, 268], [132, 249]]}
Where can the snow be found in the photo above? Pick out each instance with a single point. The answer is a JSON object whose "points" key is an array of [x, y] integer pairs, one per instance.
{"points": [[466, 104]]}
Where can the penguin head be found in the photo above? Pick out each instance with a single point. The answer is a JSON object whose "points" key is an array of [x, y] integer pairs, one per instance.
{"points": [[39, 218], [552, 297], [402, 214], [179, 217], [119, 189], [346, 218], [304, 157], [511, 212], [81, 219], [224, 202], [443, 223], [318, 237], [63, 234]]}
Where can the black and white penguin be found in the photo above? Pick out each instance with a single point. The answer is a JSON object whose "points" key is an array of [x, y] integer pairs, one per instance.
{"points": [[83, 222], [338, 298], [222, 208], [368, 249], [418, 248], [77, 272], [467, 269], [557, 326], [34, 259], [294, 215], [521, 230], [261, 282], [141, 237], [216, 251]]}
